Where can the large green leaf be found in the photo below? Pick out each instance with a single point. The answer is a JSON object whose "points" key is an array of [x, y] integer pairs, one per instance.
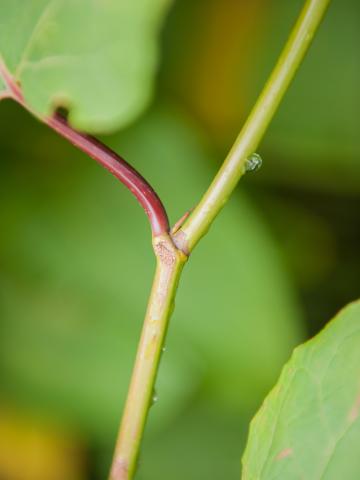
{"points": [[95, 58], [309, 426]]}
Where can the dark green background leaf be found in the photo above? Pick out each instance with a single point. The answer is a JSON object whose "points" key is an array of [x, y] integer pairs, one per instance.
{"points": [[77, 269], [314, 139]]}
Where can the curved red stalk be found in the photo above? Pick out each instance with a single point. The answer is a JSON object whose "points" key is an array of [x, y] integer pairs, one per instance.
{"points": [[115, 164]]}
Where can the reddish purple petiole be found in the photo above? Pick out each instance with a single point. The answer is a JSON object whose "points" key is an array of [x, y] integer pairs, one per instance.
{"points": [[116, 165]]}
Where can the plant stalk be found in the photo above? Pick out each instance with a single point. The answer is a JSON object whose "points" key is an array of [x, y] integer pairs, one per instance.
{"points": [[170, 262], [195, 226], [116, 165], [171, 252], [254, 128]]}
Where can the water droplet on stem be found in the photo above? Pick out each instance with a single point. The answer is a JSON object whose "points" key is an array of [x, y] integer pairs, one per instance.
{"points": [[154, 398], [253, 162]]}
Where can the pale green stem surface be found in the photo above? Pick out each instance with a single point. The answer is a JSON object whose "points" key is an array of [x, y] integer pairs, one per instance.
{"points": [[256, 125], [170, 262], [170, 256]]}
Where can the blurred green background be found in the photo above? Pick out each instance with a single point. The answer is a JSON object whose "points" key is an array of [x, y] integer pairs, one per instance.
{"points": [[76, 261]]}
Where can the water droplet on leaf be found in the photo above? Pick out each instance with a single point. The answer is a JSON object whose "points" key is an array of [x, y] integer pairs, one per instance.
{"points": [[253, 162]]}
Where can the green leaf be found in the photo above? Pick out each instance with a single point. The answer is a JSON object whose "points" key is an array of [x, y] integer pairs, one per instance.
{"points": [[308, 427], [97, 59]]}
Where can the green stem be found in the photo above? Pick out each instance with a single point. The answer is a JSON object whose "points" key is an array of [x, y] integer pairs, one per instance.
{"points": [[256, 125], [170, 262], [171, 258]]}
